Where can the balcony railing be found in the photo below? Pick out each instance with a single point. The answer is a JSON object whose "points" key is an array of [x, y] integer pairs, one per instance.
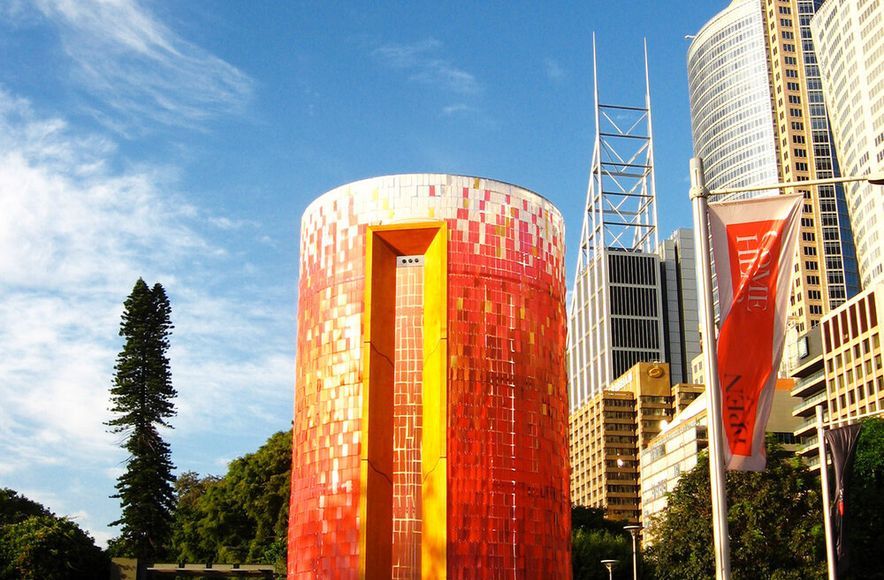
{"points": [[802, 384], [809, 403], [804, 426], [809, 444]]}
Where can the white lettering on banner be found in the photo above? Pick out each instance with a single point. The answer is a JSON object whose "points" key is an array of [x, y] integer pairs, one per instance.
{"points": [[748, 248]]}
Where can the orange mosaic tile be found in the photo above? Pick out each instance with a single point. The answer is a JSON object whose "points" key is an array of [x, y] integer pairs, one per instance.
{"points": [[506, 504]]}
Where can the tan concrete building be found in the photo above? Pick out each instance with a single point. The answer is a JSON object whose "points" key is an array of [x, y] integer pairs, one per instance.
{"points": [[608, 432], [852, 356], [684, 394], [839, 365], [630, 443]]}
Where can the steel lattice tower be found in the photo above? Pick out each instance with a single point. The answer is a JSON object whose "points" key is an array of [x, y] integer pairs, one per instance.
{"points": [[615, 312]]}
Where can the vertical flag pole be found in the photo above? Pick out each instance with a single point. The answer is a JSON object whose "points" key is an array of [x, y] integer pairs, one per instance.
{"points": [[824, 483], [699, 195]]}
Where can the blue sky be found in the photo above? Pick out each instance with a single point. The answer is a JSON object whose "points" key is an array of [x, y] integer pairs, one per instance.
{"points": [[181, 141]]}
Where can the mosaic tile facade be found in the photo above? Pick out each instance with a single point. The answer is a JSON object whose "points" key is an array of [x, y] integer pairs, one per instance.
{"points": [[507, 503], [407, 419]]}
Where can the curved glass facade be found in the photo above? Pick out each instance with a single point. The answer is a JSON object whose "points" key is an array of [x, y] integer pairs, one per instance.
{"points": [[842, 277], [731, 116], [849, 38], [759, 117]]}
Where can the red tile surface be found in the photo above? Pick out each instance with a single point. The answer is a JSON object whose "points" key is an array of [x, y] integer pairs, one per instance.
{"points": [[508, 500]]}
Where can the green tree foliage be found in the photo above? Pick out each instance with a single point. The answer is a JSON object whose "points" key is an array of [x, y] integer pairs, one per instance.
{"points": [[590, 518], [34, 544], [590, 547], [774, 520], [15, 508], [593, 539], [142, 399], [865, 503], [241, 517]]}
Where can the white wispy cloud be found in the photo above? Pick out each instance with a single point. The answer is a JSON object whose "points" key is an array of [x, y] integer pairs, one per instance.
{"points": [[75, 234], [456, 108], [228, 224], [422, 62], [80, 222], [142, 69], [553, 69]]}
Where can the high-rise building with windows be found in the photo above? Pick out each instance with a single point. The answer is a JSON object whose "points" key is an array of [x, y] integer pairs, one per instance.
{"points": [[616, 312], [838, 365], [758, 117], [681, 321], [849, 40], [608, 433], [731, 114]]}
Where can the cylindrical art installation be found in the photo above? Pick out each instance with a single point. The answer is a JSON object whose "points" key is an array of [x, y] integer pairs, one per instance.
{"points": [[431, 415]]}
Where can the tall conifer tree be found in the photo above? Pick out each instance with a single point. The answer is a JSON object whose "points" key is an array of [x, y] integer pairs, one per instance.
{"points": [[142, 399]]}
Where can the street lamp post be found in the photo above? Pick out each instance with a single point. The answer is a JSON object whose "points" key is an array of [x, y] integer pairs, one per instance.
{"points": [[633, 531], [824, 483], [699, 195], [609, 564]]}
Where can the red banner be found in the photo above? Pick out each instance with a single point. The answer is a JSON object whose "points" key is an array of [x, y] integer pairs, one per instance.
{"points": [[753, 243]]}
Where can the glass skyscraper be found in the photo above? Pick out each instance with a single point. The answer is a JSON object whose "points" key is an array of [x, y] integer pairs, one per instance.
{"points": [[758, 117], [849, 37]]}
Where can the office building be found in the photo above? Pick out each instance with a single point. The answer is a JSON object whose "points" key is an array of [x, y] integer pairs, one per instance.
{"points": [[852, 356], [633, 320], [758, 117], [608, 433], [616, 313], [683, 394], [849, 40], [839, 366], [673, 452], [681, 321], [430, 432], [806, 368]]}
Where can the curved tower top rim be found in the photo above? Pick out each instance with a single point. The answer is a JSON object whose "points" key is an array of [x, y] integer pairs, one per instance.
{"points": [[524, 189], [705, 30]]}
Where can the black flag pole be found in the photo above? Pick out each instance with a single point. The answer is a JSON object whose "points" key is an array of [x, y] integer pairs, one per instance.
{"points": [[841, 439], [841, 442]]}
